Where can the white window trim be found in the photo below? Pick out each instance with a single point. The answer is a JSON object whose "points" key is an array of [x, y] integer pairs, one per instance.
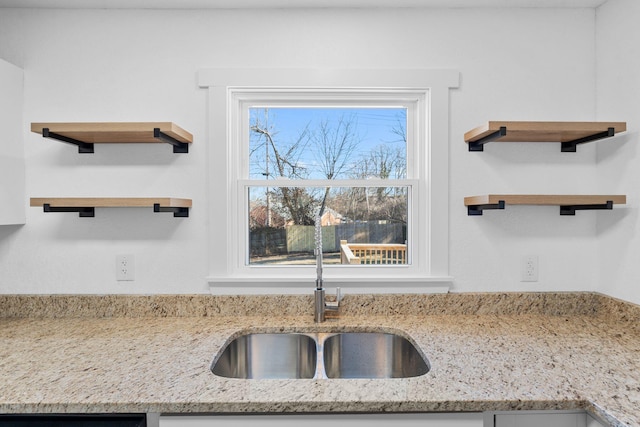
{"points": [[226, 276]]}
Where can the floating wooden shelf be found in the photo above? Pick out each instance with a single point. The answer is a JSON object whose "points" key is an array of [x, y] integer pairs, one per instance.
{"points": [[569, 204], [84, 135], [569, 134], [85, 206]]}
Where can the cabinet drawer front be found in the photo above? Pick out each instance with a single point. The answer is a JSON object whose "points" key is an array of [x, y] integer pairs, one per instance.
{"points": [[351, 420]]}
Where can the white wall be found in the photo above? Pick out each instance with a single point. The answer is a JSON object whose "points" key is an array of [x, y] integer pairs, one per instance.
{"points": [[12, 168], [618, 93], [109, 65]]}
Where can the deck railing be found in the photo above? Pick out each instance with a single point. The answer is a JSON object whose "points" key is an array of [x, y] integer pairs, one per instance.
{"points": [[372, 253]]}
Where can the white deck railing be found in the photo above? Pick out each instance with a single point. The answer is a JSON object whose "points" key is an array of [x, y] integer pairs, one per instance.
{"points": [[372, 253]]}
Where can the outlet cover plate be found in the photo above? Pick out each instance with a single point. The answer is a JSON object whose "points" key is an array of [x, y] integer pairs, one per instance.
{"points": [[125, 268], [530, 268]]}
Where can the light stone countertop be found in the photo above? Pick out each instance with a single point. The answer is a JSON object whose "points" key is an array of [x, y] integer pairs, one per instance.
{"points": [[488, 352]]}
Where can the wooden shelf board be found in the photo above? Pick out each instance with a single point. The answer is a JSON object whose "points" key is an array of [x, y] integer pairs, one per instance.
{"points": [[111, 202], [115, 132], [544, 199], [521, 131]]}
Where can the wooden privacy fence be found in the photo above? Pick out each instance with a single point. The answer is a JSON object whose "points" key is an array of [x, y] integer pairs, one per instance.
{"points": [[300, 238], [268, 241], [372, 253]]}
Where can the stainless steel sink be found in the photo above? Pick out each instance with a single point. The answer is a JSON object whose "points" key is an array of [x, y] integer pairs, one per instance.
{"points": [[372, 355], [259, 356], [320, 355]]}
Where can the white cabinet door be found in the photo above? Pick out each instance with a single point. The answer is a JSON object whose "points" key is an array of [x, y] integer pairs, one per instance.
{"points": [[541, 419], [592, 422], [350, 420], [12, 169]]}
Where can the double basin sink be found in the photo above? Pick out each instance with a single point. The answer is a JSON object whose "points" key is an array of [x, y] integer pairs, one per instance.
{"points": [[320, 355]]}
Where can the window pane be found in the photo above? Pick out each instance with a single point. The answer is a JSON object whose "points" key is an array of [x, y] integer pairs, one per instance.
{"points": [[328, 143], [360, 225]]}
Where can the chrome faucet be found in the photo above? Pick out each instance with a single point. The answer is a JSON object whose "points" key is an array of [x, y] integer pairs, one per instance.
{"points": [[321, 306]]}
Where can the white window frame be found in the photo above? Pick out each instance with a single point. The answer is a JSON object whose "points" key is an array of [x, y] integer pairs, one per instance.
{"points": [[231, 91]]}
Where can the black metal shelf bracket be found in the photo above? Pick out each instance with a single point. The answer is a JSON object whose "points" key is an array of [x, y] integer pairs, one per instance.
{"points": [[83, 212], [88, 147], [178, 146], [476, 210], [178, 212], [571, 209], [479, 144], [571, 146], [83, 147]]}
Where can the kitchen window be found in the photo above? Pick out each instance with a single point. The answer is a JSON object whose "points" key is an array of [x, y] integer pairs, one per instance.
{"points": [[366, 151]]}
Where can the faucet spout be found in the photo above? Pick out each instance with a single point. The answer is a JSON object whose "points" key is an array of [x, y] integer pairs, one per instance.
{"points": [[320, 305], [318, 252], [319, 280], [318, 312]]}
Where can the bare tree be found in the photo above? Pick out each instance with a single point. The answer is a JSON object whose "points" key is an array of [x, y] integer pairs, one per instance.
{"points": [[285, 162], [334, 146], [400, 129], [388, 203]]}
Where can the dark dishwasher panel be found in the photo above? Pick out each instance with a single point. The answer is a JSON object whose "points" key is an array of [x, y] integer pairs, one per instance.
{"points": [[74, 420]]}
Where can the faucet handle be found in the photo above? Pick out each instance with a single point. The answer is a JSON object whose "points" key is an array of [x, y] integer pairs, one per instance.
{"points": [[334, 306]]}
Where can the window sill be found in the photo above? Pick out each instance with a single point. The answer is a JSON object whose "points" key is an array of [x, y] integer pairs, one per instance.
{"points": [[303, 285]]}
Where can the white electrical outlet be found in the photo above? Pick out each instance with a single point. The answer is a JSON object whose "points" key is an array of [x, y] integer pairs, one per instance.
{"points": [[529, 268], [125, 267]]}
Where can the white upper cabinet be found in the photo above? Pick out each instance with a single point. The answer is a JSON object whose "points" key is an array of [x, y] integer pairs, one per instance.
{"points": [[12, 167]]}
